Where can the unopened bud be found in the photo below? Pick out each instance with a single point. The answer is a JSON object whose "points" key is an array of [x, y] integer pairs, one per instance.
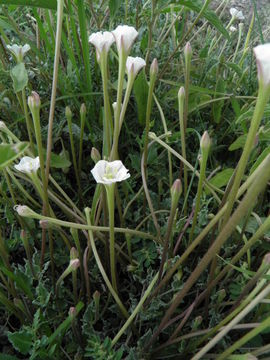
{"points": [[221, 295], [3, 126], [73, 253], [176, 191], [44, 224], [188, 50], [95, 155], [205, 143], [83, 109], [72, 312], [154, 68], [197, 322], [181, 93], [68, 112], [25, 211], [34, 102]]}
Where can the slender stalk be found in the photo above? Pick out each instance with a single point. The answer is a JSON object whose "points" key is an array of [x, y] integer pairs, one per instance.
{"points": [[265, 324], [100, 266], [135, 311], [181, 100], [110, 200], [82, 117], [28, 121], [107, 107], [60, 5], [121, 74], [262, 100], [73, 151], [248, 201]]}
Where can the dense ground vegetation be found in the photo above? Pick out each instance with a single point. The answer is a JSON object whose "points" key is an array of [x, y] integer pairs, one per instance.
{"points": [[173, 262]]}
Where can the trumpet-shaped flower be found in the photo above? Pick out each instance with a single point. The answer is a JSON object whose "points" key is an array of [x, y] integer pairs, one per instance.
{"points": [[28, 165], [108, 173], [237, 14], [262, 54], [134, 65], [102, 42], [124, 37], [18, 51]]}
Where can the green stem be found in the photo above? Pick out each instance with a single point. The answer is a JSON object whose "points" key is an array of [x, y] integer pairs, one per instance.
{"points": [[28, 120], [100, 266], [60, 5], [83, 117], [262, 100], [248, 201], [181, 100], [265, 324], [121, 74], [198, 196], [110, 200], [135, 311], [107, 107]]}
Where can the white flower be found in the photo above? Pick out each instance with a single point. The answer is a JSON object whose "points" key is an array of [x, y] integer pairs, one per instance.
{"points": [[233, 29], [237, 14], [28, 165], [18, 51], [134, 65], [262, 54], [124, 36], [102, 41], [107, 173]]}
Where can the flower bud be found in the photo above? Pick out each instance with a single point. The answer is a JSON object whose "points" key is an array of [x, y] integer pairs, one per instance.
{"points": [[3, 126], [34, 102], [181, 93], [154, 68], [205, 143], [176, 191], [95, 155], [83, 110], [266, 259], [188, 50], [72, 312], [68, 113], [25, 211], [73, 253]]}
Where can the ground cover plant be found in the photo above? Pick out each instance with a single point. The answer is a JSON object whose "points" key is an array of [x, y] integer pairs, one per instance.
{"points": [[134, 173]]}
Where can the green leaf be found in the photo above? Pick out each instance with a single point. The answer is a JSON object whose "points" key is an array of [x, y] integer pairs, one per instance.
{"points": [[8, 357], [196, 5], [19, 77], [221, 179], [260, 159], [218, 105], [59, 161], [21, 341], [46, 4], [238, 143], [114, 6], [10, 152], [140, 90]]}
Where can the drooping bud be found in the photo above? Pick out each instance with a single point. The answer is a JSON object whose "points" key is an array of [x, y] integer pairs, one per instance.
{"points": [[25, 211], [95, 155], [205, 143]]}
